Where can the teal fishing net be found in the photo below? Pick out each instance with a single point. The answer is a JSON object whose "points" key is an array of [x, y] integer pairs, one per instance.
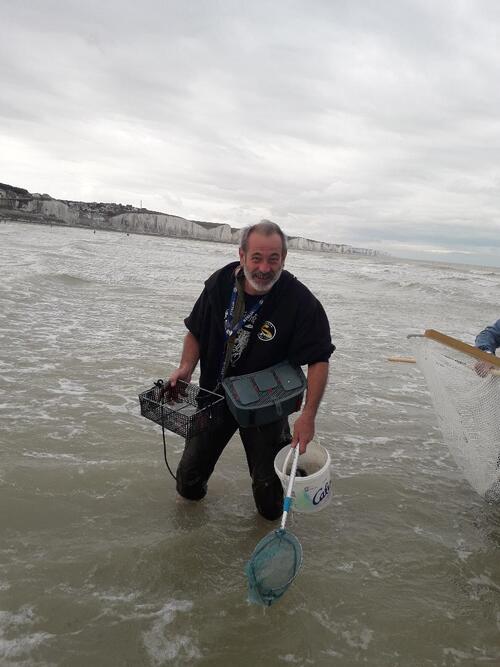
{"points": [[273, 566]]}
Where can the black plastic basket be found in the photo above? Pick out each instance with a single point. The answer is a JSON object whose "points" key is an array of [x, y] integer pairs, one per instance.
{"points": [[192, 410]]}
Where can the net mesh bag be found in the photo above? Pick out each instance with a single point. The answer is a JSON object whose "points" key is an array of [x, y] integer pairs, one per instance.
{"points": [[273, 566], [467, 406]]}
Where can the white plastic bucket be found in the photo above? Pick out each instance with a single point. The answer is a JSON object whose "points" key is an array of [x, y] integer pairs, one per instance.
{"points": [[312, 489]]}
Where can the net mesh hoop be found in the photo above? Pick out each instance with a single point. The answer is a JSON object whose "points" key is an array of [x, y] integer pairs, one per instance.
{"points": [[273, 566], [467, 406]]}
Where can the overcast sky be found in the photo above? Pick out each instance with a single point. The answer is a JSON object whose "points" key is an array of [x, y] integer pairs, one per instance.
{"points": [[373, 123]]}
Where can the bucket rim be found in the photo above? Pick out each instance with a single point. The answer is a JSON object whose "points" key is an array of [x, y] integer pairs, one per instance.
{"points": [[318, 473]]}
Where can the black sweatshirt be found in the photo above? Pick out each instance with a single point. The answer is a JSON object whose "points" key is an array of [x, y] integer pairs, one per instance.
{"points": [[291, 324]]}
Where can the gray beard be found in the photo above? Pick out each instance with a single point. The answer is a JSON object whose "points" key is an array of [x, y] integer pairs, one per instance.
{"points": [[258, 288]]}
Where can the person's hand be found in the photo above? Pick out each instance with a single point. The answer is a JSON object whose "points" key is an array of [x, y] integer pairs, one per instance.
{"points": [[303, 432], [482, 368], [170, 392], [180, 373]]}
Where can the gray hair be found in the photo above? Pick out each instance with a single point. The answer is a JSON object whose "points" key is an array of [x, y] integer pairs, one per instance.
{"points": [[265, 227]]}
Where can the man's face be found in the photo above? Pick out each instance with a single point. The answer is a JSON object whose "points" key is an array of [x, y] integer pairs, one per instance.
{"points": [[263, 262]]}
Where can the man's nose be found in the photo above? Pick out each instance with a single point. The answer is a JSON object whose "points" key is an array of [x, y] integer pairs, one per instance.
{"points": [[264, 266]]}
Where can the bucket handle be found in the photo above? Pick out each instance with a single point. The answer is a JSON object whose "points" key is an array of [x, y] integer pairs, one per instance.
{"points": [[287, 458], [287, 503]]}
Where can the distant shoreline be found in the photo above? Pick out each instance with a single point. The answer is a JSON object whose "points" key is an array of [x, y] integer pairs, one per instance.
{"points": [[62, 225], [19, 205]]}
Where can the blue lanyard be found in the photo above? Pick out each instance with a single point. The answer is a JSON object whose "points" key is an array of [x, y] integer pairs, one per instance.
{"points": [[229, 329]]}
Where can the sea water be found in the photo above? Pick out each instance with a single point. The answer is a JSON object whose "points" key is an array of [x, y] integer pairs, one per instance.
{"points": [[99, 562]]}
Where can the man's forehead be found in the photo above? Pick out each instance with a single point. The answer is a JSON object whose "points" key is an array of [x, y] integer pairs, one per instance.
{"points": [[265, 243]]}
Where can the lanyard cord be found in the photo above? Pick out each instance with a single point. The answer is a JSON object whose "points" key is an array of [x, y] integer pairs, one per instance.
{"points": [[236, 307], [231, 328]]}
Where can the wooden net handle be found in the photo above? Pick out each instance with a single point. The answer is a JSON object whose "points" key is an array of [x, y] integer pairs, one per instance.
{"points": [[459, 345], [412, 360]]}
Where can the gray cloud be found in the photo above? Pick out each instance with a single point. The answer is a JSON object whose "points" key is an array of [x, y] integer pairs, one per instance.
{"points": [[363, 123]]}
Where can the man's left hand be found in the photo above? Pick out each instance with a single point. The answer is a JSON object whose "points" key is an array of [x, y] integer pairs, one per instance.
{"points": [[303, 432]]}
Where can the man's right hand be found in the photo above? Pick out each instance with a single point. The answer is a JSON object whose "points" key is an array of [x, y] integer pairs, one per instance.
{"points": [[169, 391], [181, 373]]}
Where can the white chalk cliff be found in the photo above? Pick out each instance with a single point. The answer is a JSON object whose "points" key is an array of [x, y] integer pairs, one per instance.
{"points": [[17, 204]]}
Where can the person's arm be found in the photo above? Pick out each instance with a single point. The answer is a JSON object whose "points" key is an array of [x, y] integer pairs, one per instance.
{"points": [[189, 359], [489, 339], [303, 429]]}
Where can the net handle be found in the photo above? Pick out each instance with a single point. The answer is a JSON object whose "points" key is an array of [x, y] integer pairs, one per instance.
{"points": [[459, 345], [412, 360], [287, 503]]}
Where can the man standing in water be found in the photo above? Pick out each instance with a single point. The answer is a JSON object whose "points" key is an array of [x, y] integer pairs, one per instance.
{"points": [[251, 315]]}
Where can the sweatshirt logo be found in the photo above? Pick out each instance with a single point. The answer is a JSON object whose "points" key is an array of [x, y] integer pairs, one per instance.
{"points": [[267, 331]]}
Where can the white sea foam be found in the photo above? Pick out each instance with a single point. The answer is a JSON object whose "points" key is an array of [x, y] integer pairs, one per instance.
{"points": [[20, 646], [359, 638], [462, 552], [292, 659], [457, 655], [483, 585], [68, 386], [68, 458], [162, 648]]}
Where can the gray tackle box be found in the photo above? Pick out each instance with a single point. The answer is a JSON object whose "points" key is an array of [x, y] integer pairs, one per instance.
{"points": [[265, 396]]}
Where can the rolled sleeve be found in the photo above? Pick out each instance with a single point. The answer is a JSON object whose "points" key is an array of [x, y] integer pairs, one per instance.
{"points": [[489, 339]]}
